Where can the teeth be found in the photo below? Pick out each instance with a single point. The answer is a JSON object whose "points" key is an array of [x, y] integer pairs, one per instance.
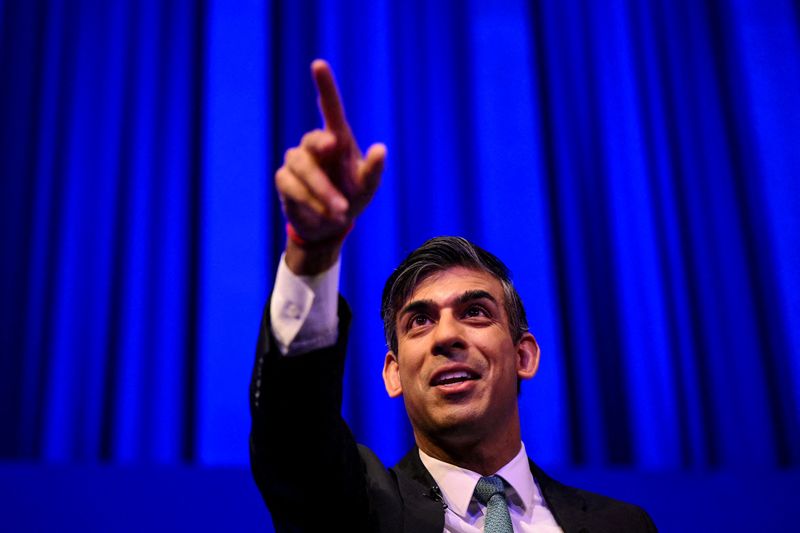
{"points": [[453, 377]]}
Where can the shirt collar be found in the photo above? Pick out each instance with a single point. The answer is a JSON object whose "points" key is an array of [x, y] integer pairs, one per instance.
{"points": [[458, 484]]}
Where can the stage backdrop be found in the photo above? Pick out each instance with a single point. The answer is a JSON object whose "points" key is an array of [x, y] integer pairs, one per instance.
{"points": [[636, 164]]}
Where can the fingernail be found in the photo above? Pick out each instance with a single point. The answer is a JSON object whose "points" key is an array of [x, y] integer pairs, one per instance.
{"points": [[339, 204]]}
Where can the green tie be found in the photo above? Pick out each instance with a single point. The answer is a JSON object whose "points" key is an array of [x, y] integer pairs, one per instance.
{"points": [[490, 492]]}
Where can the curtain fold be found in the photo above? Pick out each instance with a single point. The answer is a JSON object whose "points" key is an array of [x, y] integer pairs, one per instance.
{"points": [[634, 163]]}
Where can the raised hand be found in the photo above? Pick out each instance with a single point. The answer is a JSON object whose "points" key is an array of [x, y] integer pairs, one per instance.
{"points": [[326, 182]]}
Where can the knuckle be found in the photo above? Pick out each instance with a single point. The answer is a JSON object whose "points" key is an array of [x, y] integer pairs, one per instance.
{"points": [[310, 137], [295, 156], [281, 177], [298, 160]]}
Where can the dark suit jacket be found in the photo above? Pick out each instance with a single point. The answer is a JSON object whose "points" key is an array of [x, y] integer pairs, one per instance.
{"points": [[314, 477]]}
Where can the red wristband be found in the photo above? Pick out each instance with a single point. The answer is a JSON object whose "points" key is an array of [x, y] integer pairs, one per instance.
{"points": [[295, 237]]}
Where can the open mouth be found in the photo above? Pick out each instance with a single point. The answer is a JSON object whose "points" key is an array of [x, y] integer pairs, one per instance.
{"points": [[453, 377]]}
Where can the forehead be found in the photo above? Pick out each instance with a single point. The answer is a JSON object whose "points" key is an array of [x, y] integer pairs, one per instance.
{"points": [[453, 282]]}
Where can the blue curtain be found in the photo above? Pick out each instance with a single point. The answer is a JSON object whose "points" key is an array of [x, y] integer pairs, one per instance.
{"points": [[635, 164]]}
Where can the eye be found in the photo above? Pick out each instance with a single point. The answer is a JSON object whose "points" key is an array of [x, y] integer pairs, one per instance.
{"points": [[418, 320], [475, 311]]}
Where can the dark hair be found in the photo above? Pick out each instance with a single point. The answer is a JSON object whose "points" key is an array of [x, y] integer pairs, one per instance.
{"points": [[436, 255]]}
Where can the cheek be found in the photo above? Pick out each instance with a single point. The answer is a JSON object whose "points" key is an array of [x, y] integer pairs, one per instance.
{"points": [[409, 369], [489, 341], [499, 353], [410, 354], [408, 376]]}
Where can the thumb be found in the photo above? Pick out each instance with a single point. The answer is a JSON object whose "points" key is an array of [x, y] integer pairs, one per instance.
{"points": [[371, 168]]}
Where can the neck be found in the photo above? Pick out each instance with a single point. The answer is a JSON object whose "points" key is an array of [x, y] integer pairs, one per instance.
{"points": [[485, 456]]}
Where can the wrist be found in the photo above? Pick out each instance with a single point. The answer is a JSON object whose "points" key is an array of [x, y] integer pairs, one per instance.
{"points": [[300, 241], [308, 258]]}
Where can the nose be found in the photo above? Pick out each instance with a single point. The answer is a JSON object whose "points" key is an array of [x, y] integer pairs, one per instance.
{"points": [[448, 337]]}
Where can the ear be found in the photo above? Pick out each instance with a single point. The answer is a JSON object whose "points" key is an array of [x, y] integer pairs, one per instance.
{"points": [[391, 375], [527, 356]]}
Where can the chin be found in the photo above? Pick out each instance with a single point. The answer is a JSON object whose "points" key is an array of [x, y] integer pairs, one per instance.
{"points": [[460, 421]]}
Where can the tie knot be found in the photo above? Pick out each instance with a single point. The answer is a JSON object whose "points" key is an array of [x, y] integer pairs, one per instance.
{"points": [[487, 487]]}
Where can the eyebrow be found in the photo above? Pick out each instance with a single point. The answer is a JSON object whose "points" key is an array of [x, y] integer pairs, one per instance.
{"points": [[416, 305], [471, 296], [466, 297]]}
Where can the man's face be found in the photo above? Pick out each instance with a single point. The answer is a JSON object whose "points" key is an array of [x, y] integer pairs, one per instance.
{"points": [[457, 365]]}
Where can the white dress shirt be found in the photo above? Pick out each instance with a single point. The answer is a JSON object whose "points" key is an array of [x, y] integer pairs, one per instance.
{"points": [[465, 514], [303, 309], [303, 316]]}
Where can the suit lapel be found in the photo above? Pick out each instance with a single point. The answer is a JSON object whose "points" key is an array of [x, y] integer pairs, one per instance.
{"points": [[567, 506], [423, 509]]}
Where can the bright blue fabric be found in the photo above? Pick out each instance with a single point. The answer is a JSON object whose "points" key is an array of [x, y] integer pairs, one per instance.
{"points": [[635, 164]]}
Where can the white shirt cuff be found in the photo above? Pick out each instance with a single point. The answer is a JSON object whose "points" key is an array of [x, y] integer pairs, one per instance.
{"points": [[303, 309]]}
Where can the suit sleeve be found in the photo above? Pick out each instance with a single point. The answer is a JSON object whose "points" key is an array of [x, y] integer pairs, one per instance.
{"points": [[303, 457]]}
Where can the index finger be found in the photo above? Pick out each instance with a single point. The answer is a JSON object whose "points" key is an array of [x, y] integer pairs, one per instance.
{"points": [[330, 103]]}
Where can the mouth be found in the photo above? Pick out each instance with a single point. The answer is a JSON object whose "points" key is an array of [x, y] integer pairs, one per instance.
{"points": [[453, 378]]}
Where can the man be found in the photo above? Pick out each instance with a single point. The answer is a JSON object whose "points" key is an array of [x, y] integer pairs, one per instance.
{"points": [[458, 347]]}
